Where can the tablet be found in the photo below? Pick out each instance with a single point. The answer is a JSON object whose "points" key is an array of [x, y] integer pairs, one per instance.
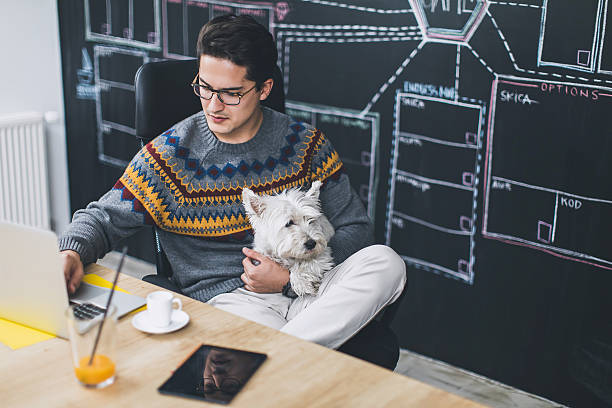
{"points": [[213, 374]]}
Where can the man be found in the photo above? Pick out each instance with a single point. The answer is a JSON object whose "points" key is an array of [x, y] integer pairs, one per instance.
{"points": [[189, 180]]}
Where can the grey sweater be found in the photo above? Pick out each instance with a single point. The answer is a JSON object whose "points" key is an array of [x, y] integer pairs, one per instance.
{"points": [[189, 184]]}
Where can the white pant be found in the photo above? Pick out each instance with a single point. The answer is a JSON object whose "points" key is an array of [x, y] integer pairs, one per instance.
{"points": [[350, 295]]}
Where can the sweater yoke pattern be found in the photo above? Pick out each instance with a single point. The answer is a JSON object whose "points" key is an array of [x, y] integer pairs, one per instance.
{"points": [[177, 192]]}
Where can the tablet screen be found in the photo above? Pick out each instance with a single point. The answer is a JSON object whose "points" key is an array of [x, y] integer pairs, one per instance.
{"points": [[212, 373]]}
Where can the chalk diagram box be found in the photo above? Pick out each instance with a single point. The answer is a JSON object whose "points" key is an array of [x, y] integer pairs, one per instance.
{"points": [[134, 23], [543, 187], [565, 41], [452, 20], [355, 138], [434, 183], [182, 20], [115, 69], [605, 50]]}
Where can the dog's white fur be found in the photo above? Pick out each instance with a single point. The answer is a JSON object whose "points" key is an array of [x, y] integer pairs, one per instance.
{"points": [[285, 226]]}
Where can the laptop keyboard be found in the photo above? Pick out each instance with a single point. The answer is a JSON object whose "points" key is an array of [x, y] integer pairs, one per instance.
{"points": [[87, 311]]}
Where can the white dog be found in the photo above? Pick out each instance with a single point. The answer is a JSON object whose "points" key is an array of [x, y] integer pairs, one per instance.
{"points": [[291, 230]]}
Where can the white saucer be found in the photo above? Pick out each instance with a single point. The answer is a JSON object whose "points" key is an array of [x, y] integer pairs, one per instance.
{"points": [[178, 320]]}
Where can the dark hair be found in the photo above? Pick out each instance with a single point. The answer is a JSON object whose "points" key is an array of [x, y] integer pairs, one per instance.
{"points": [[243, 41]]}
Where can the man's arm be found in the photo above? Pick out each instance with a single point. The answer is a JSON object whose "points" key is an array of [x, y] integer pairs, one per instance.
{"points": [[340, 203], [345, 211], [96, 229]]}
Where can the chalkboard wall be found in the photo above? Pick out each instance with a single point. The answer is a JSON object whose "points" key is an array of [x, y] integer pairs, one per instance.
{"points": [[477, 133]]}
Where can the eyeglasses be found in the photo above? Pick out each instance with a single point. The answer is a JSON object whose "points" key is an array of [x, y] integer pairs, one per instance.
{"points": [[225, 97]]}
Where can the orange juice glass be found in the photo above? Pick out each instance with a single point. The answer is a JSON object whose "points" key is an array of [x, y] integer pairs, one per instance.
{"points": [[99, 371]]}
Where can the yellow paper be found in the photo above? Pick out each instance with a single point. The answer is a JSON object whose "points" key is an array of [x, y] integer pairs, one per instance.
{"points": [[16, 335], [96, 280]]}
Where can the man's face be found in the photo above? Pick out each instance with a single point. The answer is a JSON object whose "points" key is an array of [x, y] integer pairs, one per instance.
{"points": [[225, 373], [231, 123]]}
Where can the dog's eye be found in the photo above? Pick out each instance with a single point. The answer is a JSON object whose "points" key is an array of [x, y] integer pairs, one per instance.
{"points": [[309, 221], [288, 224]]}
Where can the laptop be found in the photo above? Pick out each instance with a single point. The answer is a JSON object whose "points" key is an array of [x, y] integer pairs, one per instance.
{"points": [[32, 285]]}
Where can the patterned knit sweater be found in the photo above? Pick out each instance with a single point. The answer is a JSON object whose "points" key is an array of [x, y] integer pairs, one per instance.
{"points": [[189, 184]]}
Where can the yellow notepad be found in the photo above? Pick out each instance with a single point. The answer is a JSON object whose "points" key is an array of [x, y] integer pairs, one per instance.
{"points": [[96, 280], [16, 335]]}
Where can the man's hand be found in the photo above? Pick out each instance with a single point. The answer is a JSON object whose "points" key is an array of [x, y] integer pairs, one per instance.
{"points": [[73, 269], [265, 277]]}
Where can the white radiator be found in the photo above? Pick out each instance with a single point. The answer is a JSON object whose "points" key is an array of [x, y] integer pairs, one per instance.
{"points": [[24, 192]]}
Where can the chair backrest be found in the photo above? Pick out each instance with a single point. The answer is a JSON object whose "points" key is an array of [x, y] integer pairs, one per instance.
{"points": [[164, 96]]}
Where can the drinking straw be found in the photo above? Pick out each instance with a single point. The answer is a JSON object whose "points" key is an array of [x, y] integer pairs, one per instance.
{"points": [[108, 302]]}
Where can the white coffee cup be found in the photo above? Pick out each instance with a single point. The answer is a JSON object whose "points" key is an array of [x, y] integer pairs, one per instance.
{"points": [[159, 307]]}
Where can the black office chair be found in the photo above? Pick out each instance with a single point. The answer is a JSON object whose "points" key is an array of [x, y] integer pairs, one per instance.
{"points": [[163, 98]]}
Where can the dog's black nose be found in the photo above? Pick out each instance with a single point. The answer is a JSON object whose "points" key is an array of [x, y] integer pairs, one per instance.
{"points": [[310, 244]]}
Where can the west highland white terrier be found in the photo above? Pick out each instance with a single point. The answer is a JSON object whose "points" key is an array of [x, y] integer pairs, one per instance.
{"points": [[291, 230]]}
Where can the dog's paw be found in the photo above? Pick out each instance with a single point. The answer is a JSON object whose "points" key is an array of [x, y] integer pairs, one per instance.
{"points": [[304, 285], [314, 287]]}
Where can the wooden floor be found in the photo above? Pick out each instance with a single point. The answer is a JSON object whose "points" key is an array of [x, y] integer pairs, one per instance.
{"points": [[424, 369]]}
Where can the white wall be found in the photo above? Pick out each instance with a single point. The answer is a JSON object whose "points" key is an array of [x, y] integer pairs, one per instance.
{"points": [[31, 80]]}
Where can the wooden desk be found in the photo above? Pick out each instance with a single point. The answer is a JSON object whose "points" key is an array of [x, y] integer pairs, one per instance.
{"points": [[296, 374]]}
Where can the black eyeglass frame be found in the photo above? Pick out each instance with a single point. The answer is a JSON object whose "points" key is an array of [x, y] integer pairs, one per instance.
{"points": [[195, 85]]}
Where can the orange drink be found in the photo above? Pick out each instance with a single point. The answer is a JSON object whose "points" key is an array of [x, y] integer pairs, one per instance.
{"points": [[93, 335], [101, 369]]}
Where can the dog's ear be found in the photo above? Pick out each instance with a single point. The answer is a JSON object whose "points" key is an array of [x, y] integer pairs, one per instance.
{"points": [[253, 204], [314, 189]]}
